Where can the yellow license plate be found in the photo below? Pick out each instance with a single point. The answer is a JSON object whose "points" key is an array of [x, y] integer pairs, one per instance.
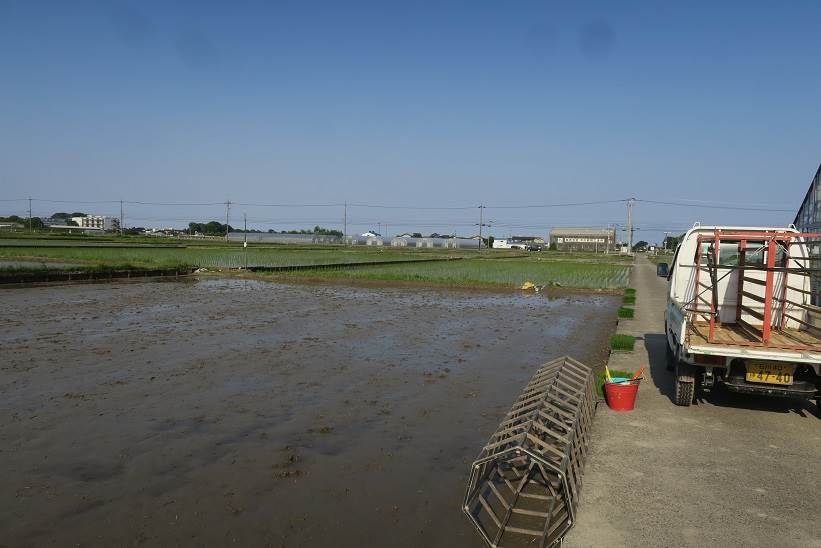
{"points": [[770, 372]]}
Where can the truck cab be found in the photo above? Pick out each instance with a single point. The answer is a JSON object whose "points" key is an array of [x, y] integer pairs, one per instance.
{"points": [[740, 314]]}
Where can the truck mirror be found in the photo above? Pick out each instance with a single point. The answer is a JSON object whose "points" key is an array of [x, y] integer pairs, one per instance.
{"points": [[663, 269]]}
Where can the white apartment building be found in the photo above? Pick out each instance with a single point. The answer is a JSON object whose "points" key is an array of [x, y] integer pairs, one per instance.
{"points": [[103, 222]]}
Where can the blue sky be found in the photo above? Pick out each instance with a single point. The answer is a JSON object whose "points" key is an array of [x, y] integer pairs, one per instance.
{"points": [[411, 104]]}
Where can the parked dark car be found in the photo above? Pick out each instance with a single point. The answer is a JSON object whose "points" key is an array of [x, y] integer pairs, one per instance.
{"points": [[663, 270]]}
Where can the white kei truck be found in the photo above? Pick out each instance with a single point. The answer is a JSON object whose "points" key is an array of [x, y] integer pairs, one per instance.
{"points": [[740, 313]]}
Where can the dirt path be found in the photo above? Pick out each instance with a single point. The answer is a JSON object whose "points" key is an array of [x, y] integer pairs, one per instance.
{"points": [[730, 471], [225, 411]]}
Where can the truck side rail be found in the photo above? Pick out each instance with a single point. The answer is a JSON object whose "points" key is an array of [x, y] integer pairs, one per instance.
{"points": [[775, 310]]}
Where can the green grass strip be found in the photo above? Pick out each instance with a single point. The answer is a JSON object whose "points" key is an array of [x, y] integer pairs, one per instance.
{"points": [[625, 312], [622, 342]]}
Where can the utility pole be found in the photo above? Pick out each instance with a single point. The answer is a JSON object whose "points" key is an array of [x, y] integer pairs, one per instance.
{"points": [[121, 217], [245, 239], [30, 229], [666, 235], [227, 213], [481, 224], [630, 203], [345, 225]]}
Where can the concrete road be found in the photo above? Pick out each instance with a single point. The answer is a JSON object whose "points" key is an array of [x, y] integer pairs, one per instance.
{"points": [[730, 470]]}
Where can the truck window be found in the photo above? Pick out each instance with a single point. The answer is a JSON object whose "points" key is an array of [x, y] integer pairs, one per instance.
{"points": [[728, 253], [757, 255], [673, 263], [706, 250]]}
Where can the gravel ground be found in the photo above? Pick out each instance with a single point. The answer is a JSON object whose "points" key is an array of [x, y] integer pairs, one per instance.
{"points": [[732, 470]]}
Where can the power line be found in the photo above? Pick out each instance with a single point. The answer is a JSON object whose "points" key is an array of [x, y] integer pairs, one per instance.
{"points": [[172, 203], [75, 201], [431, 208], [286, 205], [714, 206], [719, 202], [567, 204]]}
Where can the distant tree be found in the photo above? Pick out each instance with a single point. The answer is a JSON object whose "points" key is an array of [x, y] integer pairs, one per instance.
{"points": [[326, 231], [36, 222], [640, 246], [78, 214], [670, 242], [211, 228], [317, 231], [417, 234], [552, 247]]}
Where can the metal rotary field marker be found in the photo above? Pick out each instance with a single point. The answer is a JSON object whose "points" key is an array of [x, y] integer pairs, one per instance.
{"points": [[524, 486]]}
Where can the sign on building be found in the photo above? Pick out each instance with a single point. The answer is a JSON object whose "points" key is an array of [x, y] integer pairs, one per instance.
{"points": [[566, 240]]}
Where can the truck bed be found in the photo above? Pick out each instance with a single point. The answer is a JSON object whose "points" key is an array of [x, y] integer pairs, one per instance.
{"points": [[742, 335]]}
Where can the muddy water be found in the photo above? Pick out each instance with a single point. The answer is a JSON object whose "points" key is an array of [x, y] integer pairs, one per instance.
{"points": [[221, 412]]}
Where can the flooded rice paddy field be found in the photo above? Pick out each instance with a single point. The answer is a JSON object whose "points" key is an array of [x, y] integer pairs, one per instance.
{"points": [[222, 411], [35, 265]]}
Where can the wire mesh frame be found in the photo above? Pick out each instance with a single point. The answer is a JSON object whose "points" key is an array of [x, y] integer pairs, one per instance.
{"points": [[527, 478]]}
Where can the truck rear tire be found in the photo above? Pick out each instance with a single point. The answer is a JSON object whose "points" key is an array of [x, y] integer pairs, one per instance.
{"points": [[684, 393], [685, 384]]}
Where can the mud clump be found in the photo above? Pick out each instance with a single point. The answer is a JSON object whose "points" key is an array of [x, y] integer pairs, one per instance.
{"points": [[286, 468]]}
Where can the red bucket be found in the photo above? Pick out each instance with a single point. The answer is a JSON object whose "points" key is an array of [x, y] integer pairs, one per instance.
{"points": [[621, 396]]}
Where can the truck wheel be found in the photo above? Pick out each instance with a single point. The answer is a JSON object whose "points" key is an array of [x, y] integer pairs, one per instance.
{"points": [[684, 393], [685, 385]]}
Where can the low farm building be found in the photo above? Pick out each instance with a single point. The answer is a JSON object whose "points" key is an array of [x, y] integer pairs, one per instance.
{"points": [[597, 240], [519, 242]]}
